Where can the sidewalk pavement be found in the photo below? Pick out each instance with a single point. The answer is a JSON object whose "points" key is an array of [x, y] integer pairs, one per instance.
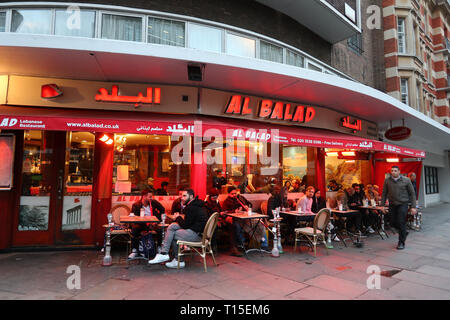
{"points": [[421, 271]]}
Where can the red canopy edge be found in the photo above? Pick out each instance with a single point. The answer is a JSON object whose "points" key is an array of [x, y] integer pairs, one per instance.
{"points": [[20, 118]]}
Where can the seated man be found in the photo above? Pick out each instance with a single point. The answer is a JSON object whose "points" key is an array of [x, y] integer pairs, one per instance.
{"points": [[189, 229], [212, 205], [236, 203], [151, 208], [177, 204], [305, 203], [163, 190]]}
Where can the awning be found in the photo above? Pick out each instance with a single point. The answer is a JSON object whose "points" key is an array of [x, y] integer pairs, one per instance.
{"points": [[19, 118]]}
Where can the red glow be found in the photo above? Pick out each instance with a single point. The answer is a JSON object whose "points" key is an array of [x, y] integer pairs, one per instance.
{"points": [[49, 91]]}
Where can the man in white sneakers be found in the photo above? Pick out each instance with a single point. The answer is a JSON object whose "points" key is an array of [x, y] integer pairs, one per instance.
{"points": [[189, 229]]}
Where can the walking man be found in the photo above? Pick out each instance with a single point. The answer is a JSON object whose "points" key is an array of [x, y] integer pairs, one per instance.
{"points": [[400, 192]]}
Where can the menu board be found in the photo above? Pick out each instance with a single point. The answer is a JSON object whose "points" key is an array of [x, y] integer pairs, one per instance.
{"points": [[7, 163]]}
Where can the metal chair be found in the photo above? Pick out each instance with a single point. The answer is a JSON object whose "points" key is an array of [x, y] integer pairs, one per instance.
{"points": [[317, 232], [202, 247], [123, 234]]}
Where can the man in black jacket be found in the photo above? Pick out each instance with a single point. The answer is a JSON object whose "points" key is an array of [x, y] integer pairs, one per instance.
{"points": [[151, 208], [189, 229]]}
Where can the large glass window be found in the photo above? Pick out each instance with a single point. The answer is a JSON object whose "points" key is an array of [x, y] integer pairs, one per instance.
{"points": [[121, 27], [294, 164], [314, 67], [431, 180], [240, 46], [2, 21], [294, 59], [270, 52], [76, 24], [144, 162], [168, 32], [78, 181], [31, 21], [205, 38], [36, 181], [401, 35]]}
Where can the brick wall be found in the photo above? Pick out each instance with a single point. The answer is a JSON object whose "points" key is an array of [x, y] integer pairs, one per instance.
{"points": [[367, 67]]}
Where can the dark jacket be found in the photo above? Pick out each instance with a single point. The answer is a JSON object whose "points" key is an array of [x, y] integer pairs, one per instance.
{"points": [[161, 192], [218, 182], [157, 208], [212, 206], [356, 198], [231, 204], [398, 192], [274, 202], [177, 206], [195, 216], [318, 204]]}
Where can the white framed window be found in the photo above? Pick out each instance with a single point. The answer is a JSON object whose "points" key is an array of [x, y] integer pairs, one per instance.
{"points": [[240, 46], [404, 90], [295, 59], [205, 37], [36, 21], [166, 32], [65, 25], [2, 21], [425, 21], [313, 66], [401, 35], [270, 52], [121, 27]]}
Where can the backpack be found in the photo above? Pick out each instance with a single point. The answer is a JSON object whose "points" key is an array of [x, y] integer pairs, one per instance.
{"points": [[147, 246]]}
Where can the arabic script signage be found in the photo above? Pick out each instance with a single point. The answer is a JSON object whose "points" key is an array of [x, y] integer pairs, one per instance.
{"points": [[149, 98]]}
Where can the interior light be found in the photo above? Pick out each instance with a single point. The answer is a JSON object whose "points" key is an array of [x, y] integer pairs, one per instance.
{"points": [[349, 161], [392, 160], [104, 138], [110, 141], [332, 154], [348, 153]]}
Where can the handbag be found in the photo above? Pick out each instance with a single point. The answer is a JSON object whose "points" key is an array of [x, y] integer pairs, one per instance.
{"points": [[147, 246]]}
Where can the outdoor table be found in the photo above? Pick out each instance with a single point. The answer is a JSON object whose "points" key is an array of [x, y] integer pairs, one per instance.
{"points": [[139, 219], [341, 228], [379, 210], [243, 215]]}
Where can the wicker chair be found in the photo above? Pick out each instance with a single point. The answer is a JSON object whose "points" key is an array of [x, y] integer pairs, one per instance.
{"points": [[202, 247], [317, 232]]}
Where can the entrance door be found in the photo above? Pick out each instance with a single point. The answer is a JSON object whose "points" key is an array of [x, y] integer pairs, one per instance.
{"points": [[56, 188]]}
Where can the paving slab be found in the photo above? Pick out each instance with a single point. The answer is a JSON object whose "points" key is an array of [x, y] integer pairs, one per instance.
{"points": [[315, 293], [111, 289], [406, 289], [435, 271], [347, 288], [425, 279], [235, 290]]}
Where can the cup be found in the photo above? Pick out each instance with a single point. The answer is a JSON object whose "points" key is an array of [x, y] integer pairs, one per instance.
{"points": [[299, 210], [250, 211], [341, 207], [163, 218]]}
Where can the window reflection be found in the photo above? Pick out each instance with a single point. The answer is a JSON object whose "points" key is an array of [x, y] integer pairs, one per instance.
{"points": [[79, 163], [67, 25], [36, 21], [205, 38], [240, 46], [121, 27], [168, 32], [2, 21]]}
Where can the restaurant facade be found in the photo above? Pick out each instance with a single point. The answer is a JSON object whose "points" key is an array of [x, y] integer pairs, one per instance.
{"points": [[94, 120]]}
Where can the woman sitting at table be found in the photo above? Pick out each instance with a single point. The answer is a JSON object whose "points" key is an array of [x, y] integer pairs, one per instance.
{"points": [[318, 202], [151, 208]]}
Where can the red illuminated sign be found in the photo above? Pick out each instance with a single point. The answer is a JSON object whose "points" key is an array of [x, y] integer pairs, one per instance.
{"points": [[150, 98], [50, 91], [355, 126], [270, 110]]}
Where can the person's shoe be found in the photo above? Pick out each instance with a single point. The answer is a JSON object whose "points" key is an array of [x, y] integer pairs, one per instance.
{"points": [[174, 264], [335, 238], [134, 254], [400, 246], [159, 258], [235, 252], [370, 230]]}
